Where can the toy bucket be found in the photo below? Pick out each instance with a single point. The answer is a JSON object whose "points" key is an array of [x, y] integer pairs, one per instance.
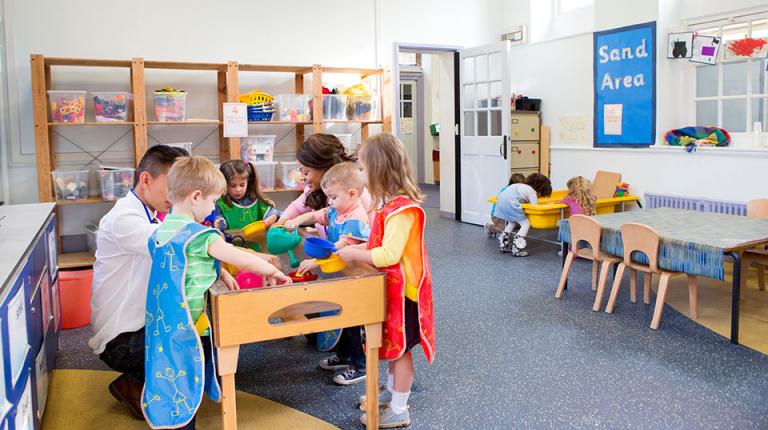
{"points": [[332, 264]]}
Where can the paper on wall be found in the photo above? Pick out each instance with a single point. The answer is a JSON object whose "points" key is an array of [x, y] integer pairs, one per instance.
{"points": [[235, 120], [572, 129], [612, 115]]}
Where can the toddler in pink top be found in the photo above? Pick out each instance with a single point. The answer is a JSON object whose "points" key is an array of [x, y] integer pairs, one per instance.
{"points": [[580, 199]]}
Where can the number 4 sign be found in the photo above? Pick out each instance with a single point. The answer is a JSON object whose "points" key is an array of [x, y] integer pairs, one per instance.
{"points": [[235, 120]]}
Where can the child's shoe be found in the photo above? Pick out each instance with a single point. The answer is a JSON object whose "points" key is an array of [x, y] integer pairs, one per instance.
{"points": [[335, 363], [519, 242], [390, 420], [504, 242], [384, 398], [349, 376]]}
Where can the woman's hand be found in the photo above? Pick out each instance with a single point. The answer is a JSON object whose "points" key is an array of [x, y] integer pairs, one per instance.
{"points": [[229, 281], [291, 225], [306, 266]]}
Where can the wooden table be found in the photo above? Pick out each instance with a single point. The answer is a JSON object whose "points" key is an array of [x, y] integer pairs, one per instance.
{"points": [[692, 242], [241, 317]]}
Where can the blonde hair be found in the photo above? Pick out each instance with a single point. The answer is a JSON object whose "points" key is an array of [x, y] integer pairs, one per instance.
{"points": [[580, 188], [190, 174], [388, 169], [346, 174]]}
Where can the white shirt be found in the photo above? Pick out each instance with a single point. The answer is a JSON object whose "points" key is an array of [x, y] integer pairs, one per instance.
{"points": [[121, 271]]}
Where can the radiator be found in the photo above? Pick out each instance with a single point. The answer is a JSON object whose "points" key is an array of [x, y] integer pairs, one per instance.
{"points": [[653, 200]]}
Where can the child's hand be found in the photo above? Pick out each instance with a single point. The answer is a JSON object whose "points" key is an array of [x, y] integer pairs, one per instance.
{"points": [[278, 278], [268, 221], [306, 266], [220, 224], [269, 258], [229, 281], [340, 244], [348, 253]]}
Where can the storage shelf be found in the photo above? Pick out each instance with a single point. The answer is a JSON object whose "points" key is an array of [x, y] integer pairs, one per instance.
{"points": [[281, 122], [193, 122], [91, 200], [71, 260], [69, 124], [351, 121], [82, 62]]}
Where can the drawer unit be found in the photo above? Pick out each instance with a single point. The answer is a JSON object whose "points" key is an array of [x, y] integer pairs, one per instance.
{"points": [[524, 126], [524, 172], [523, 155]]}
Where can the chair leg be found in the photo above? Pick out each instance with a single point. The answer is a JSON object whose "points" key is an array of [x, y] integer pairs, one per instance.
{"points": [[693, 296], [615, 288], [660, 298], [595, 264], [647, 278], [760, 277], [564, 275], [633, 285], [601, 285]]}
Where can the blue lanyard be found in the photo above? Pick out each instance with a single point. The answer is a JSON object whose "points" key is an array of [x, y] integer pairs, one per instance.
{"points": [[146, 210]]}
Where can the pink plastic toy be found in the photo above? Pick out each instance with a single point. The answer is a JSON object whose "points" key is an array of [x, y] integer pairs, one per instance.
{"points": [[248, 280]]}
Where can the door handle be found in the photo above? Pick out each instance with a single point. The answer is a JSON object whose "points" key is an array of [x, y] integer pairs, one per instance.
{"points": [[503, 148]]}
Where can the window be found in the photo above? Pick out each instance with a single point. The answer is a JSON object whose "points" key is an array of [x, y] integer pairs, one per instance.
{"points": [[732, 94]]}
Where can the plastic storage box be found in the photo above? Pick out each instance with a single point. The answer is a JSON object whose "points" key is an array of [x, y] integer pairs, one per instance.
{"points": [[294, 107], [71, 186], [111, 106], [67, 106], [170, 106], [75, 298], [187, 146], [265, 170], [116, 182], [363, 108], [346, 139], [257, 148], [290, 175], [334, 107]]}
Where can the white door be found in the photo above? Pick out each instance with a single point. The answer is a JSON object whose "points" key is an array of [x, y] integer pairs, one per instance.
{"points": [[409, 121], [485, 110]]}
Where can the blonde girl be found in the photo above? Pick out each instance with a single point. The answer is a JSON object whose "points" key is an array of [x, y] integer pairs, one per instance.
{"points": [[580, 199], [396, 247]]}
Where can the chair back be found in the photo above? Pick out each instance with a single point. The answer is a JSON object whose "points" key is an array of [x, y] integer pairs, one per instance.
{"points": [[757, 208], [640, 238], [585, 229]]}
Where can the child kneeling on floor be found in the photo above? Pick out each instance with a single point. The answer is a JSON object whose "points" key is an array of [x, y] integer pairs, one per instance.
{"points": [[179, 365], [509, 208], [397, 248], [496, 226], [347, 223]]}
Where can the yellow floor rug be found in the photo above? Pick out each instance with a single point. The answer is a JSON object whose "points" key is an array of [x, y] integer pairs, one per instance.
{"points": [[80, 399]]}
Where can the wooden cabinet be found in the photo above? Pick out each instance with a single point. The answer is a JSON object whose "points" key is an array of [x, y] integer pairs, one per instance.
{"points": [[28, 302], [528, 144]]}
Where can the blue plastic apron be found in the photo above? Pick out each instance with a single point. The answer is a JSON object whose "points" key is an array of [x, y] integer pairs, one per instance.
{"points": [[176, 372]]}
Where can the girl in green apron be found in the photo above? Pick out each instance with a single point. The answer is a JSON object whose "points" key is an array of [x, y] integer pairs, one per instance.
{"points": [[244, 201]]}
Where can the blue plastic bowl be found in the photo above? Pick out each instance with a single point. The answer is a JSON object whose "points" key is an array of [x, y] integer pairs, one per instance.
{"points": [[318, 248]]}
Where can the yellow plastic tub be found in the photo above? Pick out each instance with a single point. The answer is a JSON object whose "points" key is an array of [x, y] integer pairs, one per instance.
{"points": [[549, 211], [332, 264]]}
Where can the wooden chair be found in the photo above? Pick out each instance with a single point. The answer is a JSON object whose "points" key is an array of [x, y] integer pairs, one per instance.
{"points": [[586, 229], [756, 209], [641, 238]]}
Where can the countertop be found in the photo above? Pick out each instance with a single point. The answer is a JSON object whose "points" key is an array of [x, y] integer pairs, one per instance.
{"points": [[19, 225]]}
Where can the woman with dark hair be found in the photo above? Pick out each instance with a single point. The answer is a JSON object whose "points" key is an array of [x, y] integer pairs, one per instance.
{"points": [[319, 153]]}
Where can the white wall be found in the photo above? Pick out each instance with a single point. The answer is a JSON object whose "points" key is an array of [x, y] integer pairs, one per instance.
{"points": [[332, 32]]}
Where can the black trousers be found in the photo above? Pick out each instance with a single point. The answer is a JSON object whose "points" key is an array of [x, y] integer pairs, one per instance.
{"points": [[125, 354], [350, 347]]}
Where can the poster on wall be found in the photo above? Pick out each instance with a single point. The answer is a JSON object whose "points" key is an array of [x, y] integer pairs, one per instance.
{"points": [[705, 49], [680, 45], [625, 86], [746, 48]]}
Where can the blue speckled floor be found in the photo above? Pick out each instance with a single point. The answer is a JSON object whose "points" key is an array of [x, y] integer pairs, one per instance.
{"points": [[510, 355]]}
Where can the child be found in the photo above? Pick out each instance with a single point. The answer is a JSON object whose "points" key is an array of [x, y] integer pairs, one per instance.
{"points": [[347, 224], [185, 254], [396, 247], [244, 201], [496, 226], [508, 208], [580, 199]]}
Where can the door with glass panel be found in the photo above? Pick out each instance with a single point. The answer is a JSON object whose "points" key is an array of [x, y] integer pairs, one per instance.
{"points": [[485, 111]]}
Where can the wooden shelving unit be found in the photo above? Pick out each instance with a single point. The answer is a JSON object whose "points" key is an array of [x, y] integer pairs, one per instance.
{"points": [[227, 84]]}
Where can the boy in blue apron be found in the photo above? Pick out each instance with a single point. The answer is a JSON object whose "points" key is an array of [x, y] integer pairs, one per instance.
{"points": [[179, 359]]}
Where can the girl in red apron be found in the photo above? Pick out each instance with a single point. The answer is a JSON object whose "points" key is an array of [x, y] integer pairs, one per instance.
{"points": [[396, 247]]}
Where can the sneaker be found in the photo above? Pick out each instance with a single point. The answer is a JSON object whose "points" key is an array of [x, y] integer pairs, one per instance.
{"points": [[517, 252], [519, 242], [335, 363], [349, 376], [390, 420], [504, 242], [384, 398]]}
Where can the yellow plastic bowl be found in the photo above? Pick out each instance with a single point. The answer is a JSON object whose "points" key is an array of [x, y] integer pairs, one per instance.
{"points": [[332, 264], [253, 229]]}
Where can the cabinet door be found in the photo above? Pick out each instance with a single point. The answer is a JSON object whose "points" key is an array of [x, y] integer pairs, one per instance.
{"points": [[41, 382], [52, 248], [25, 413], [524, 127], [18, 341], [524, 155], [35, 322]]}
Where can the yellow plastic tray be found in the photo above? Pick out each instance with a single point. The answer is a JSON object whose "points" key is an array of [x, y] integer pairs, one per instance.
{"points": [[549, 211]]}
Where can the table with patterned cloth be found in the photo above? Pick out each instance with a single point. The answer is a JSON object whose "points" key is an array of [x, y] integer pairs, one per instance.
{"points": [[692, 242]]}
